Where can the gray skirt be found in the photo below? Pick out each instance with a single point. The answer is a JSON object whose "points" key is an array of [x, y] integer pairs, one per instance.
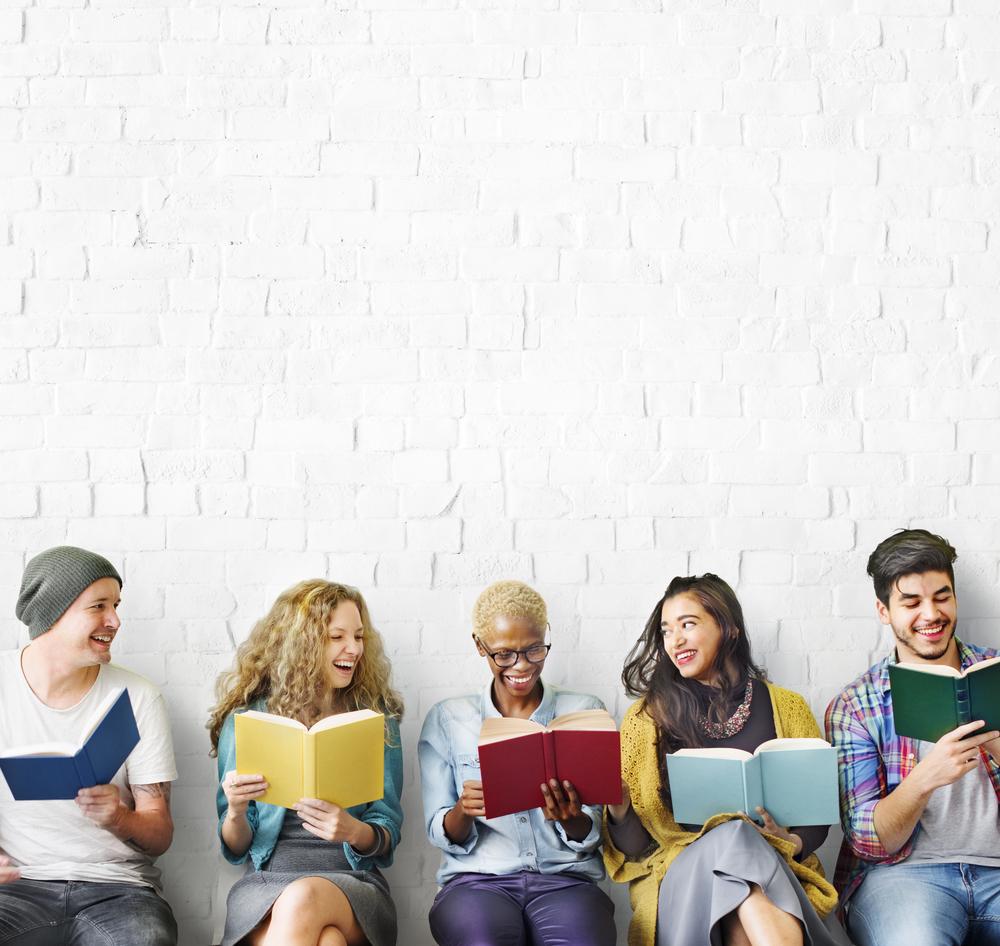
{"points": [[301, 854], [712, 876]]}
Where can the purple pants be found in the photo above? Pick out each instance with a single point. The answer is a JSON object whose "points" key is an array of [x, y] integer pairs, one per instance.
{"points": [[522, 909]]}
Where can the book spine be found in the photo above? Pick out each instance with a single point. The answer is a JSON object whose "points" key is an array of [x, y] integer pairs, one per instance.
{"points": [[84, 769], [549, 751], [309, 766], [962, 701]]}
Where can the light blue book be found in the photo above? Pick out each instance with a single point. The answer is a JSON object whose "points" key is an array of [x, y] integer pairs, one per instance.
{"points": [[794, 780]]}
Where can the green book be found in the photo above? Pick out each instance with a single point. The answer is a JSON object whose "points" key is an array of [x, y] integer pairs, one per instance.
{"points": [[929, 700]]}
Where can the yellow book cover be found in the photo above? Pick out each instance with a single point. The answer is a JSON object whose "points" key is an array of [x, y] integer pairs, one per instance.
{"points": [[339, 759]]}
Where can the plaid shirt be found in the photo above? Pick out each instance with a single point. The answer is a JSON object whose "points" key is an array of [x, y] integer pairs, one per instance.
{"points": [[872, 761]]}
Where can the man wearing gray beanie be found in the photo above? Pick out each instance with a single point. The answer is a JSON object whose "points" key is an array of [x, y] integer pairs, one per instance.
{"points": [[81, 871]]}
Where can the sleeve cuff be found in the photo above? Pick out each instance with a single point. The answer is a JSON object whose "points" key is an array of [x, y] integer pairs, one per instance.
{"points": [[593, 838], [440, 839]]}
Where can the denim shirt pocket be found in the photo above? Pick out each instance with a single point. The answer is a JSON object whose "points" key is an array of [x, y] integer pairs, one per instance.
{"points": [[466, 769]]}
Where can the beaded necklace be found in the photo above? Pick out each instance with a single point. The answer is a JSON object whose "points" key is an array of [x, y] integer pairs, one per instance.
{"points": [[735, 722]]}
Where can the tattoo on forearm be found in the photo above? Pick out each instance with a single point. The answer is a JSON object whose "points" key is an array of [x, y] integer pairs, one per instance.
{"points": [[154, 790]]}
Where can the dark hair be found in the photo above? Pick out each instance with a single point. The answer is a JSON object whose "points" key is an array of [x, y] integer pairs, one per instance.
{"points": [[909, 552], [670, 699]]}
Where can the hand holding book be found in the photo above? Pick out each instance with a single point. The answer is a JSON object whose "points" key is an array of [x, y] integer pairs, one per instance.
{"points": [[240, 790], [770, 826], [955, 754], [102, 804], [562, 804], [332, 823], [471, 799]]}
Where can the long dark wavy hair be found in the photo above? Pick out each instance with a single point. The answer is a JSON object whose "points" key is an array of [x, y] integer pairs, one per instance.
{"points": [[671, 700]]}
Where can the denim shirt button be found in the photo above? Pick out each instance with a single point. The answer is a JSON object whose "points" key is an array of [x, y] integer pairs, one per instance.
{"points": [[523, 820]]}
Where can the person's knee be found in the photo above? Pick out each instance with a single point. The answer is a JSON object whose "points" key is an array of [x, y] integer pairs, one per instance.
{"points": [[304, 897], [472, 927], [141, 930], [897, 930]]}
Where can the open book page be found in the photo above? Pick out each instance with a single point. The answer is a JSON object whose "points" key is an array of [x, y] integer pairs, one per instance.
{"points": [[791, 744], [344, 719], [495, 728], [273, 719]]}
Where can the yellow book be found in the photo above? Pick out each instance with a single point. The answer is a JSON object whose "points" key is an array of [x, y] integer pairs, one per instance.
{"points": [[339, 759]]}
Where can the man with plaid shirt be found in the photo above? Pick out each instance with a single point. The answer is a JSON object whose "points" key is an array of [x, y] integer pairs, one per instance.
{"points": [[920, 862]]}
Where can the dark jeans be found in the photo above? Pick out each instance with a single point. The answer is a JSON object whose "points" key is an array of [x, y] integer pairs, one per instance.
{"points": [[80, 913], [518, 909]]}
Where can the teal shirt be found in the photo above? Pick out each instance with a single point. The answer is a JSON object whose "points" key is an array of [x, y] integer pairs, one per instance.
{"points": [[266, 820]]}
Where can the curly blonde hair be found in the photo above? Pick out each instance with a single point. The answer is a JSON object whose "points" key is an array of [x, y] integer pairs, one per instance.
{"points": [[282, 661], [512, 599]]}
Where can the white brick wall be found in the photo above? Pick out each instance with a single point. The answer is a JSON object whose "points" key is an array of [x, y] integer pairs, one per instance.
{"points": [[418, 295]]}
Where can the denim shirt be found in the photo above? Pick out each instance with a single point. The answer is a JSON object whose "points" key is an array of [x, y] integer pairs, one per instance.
{"points": [[266, 820], [524, 841]]}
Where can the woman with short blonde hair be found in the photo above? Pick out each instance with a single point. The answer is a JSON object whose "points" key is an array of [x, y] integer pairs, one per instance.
{"points": [[525, 877]]}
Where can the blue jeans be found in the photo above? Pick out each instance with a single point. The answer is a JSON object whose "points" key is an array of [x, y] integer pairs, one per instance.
{"points": [[926, 905], [80, 913]]}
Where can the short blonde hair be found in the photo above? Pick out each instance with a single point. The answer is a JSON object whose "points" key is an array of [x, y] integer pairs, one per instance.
{"points": [[512, 599]]}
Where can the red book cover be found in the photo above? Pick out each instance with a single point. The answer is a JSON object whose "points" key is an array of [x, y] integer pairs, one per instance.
{"points": [[517, 755]]}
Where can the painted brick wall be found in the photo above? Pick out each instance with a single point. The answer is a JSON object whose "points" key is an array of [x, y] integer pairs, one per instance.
{"points": [[417, 294]]}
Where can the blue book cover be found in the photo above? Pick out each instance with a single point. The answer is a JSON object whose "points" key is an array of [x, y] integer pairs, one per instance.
{"points": [[59, 770], [795, 780]]}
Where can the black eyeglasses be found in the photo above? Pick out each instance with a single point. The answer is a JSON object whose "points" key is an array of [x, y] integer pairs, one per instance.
{"points": [[535, 654]]}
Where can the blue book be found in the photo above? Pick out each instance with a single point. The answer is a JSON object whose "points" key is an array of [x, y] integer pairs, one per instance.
{"points": [[58, 770], [794, 780]]}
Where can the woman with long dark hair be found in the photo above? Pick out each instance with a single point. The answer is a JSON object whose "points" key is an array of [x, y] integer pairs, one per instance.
{"points": [[729, 882]]}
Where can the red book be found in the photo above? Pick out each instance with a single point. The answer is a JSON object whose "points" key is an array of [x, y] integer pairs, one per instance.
{"points": [[517, 755]]}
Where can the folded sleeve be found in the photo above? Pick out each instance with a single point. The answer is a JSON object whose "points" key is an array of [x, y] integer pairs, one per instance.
{"points": [[387, 812], [862, 780], [437, 776], [226, 760]]}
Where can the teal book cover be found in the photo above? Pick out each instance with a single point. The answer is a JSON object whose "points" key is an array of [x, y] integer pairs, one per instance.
{"points": [[795, 780]]}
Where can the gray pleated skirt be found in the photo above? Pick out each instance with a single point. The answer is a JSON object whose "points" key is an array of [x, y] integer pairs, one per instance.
{"points": [[712, 876], [301, 854]]}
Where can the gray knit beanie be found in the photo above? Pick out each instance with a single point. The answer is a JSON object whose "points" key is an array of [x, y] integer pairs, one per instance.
{"points": [[53, 580]]}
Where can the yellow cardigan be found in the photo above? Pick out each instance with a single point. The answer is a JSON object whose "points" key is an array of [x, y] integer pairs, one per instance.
{"points": [[792, 718]]}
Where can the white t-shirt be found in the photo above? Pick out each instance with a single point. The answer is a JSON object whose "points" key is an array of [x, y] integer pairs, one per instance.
{"points": [[54, 840]]}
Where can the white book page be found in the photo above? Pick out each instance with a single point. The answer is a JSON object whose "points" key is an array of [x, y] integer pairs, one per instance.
{"points": [[737, 754], [790, 744], [272, 718], [343, 719]]}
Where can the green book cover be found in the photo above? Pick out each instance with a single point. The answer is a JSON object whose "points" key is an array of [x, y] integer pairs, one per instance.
{"points": [[929, 700]]}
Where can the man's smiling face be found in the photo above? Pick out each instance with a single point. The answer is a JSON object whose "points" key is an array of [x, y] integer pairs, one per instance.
{"points": [[922, 613]]}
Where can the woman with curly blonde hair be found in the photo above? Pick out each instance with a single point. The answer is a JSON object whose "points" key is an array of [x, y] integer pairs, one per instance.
{"points": [[313, 877]]}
